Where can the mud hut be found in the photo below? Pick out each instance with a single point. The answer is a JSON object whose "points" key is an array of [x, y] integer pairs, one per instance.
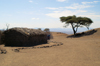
{"points": [[24, 37], [0, 36], [49, 35]]}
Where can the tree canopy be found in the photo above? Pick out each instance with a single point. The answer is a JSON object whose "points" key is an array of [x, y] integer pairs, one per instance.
{"points": [[39, 28], [46, 29], [76, 22]]}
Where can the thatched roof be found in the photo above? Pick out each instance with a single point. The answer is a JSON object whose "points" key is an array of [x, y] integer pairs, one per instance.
{"points": [[27, 31], [0, 31]]}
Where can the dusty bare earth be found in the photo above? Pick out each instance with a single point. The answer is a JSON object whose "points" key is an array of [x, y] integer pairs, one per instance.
{"points": [[80, 51]]}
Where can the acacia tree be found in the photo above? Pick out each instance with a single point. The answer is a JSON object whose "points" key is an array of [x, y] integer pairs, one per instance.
{"points": [[39, 28], [76, 22], [46, 29]]}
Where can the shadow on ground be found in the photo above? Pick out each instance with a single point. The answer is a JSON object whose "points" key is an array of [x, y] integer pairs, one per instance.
{"points": [[24, 45], [87, 33]]}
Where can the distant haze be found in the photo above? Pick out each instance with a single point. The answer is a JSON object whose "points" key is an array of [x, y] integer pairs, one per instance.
{"points": [[63, 30], [67, 30]]}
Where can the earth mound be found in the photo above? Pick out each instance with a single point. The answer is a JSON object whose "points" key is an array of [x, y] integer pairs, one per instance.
{"points": [[92, 32]]}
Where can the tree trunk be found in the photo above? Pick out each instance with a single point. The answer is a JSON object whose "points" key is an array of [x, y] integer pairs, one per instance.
{"points": [[88, 28], [76, 29], [73, 29]]}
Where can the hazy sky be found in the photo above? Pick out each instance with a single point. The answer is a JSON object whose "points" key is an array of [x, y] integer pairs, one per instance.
{"points": [[46, 13]]}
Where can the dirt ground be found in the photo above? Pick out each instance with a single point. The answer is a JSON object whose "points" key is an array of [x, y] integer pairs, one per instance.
{"points": [[80, 51]]}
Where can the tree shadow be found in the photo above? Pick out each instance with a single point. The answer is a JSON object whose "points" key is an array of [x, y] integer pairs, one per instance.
{"points": [[90, 32]]}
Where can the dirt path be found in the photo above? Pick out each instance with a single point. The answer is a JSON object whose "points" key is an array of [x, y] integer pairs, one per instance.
{"points": [[83, 51]]}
